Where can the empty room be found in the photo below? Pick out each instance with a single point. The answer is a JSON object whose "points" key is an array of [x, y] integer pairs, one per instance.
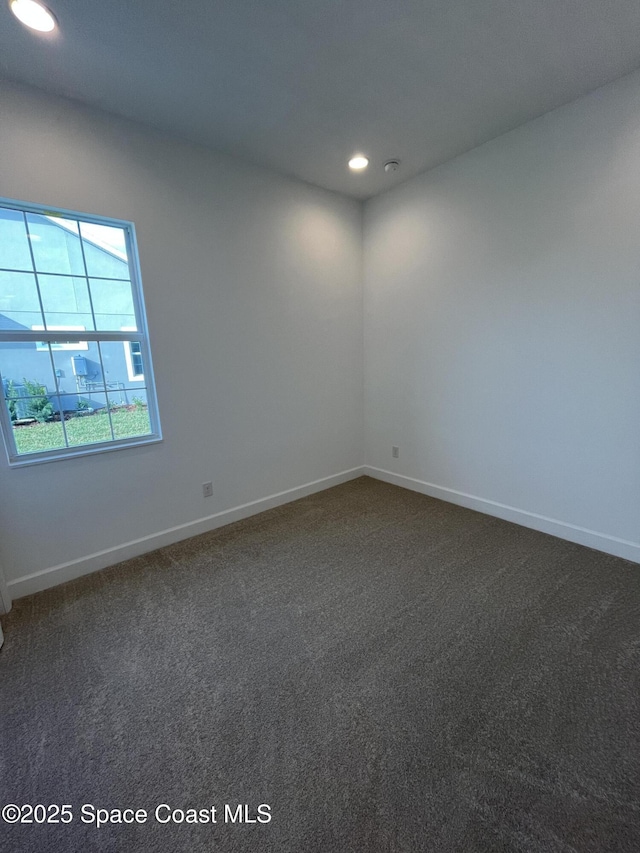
{"points": [[320, 415]]}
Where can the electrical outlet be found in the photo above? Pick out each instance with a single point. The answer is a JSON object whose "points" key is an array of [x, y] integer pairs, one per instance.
{"points": [[395, 452], [207, 490]]}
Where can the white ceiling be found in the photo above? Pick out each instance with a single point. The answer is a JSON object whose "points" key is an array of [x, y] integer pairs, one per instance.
{"points": [[299, 85]]}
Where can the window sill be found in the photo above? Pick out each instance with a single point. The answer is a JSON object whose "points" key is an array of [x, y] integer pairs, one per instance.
{"points": [[81, 451]]}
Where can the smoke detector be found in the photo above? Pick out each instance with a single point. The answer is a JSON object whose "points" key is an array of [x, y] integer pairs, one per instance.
{"points": [[392, 165]]}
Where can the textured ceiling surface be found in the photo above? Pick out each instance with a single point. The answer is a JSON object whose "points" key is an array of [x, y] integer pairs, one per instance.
{"points": [[299, 86]]}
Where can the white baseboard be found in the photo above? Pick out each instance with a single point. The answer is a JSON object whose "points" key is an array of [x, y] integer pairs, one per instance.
{"points": [[46, 578], [64, 572], [581, 535]]}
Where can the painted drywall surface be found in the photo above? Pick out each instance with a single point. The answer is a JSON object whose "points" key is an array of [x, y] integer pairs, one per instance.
{"points": [[253, 292], [502, 309]]}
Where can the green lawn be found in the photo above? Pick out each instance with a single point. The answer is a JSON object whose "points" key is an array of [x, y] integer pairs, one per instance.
{"points": [[86, 429]]}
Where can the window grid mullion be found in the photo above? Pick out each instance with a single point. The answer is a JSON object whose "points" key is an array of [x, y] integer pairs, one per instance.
{"points": [[44, 320], [106, 393], [86, 276], [69, 275], [66, 335], [136, 292], [141, 322], [60, 409], [35, 272]]}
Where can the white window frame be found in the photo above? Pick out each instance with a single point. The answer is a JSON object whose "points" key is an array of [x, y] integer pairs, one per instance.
{"points": [[62, 339]]}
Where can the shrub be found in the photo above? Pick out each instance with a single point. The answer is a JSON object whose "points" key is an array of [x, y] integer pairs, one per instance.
{"points": [[38, 405], [12, 395]]}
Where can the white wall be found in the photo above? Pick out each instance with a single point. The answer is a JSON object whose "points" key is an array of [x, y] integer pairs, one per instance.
{"points": [[253, 290], [502, 308], [502, 330]]}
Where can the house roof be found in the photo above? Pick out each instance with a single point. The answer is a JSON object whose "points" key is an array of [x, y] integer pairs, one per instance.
{"points": [[90, 234]]}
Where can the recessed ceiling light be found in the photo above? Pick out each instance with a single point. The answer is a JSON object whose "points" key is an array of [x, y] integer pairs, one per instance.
{"points": [[33, 15], [358, 162]]}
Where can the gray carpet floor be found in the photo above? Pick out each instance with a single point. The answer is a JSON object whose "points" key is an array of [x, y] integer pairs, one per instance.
{"points": [[386, 671]]}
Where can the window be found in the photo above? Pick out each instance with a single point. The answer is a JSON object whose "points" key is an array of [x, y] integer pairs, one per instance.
{"points": [[74, 353]]}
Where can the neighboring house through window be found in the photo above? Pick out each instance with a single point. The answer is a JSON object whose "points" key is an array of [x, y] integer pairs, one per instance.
{"points": [[74, 351], [136, 361], [133, 358]]}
